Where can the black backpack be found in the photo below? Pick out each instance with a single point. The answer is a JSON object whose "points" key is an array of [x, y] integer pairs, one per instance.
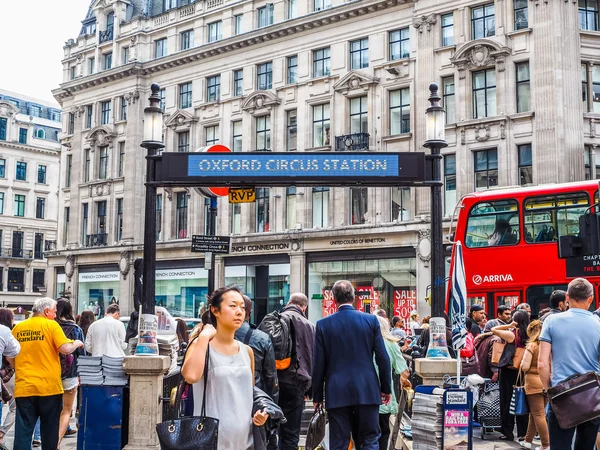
{"points": [[281, 330]]}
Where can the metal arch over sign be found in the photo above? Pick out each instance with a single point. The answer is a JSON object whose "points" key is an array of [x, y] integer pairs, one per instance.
{"points": [[284, 169]]}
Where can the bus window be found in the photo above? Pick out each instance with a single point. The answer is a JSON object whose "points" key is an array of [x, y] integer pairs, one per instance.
{"points": [[538, 297], [549, 217], [493, 224]]}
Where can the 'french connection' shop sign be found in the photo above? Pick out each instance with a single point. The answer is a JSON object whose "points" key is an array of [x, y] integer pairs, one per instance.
{"points": [[236, 169]]}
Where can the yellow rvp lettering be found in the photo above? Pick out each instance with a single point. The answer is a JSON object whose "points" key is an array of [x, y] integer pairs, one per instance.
{"points": [[242, 195]]}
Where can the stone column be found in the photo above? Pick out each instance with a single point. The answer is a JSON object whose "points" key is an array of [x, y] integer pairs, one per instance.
{"points": [[145, 399], [297, 271], [556, 84], [5, 278], [433, 370]]}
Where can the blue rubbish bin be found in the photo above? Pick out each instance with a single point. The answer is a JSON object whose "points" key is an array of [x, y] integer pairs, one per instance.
{"points": [[103, 418]]}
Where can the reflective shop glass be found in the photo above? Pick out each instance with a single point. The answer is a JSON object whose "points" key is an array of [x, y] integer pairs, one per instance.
{"points": [[96, 291], [382, 281], [182, 291]]}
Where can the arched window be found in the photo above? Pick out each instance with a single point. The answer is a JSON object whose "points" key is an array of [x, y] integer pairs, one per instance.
{"points": [[40, 134]]}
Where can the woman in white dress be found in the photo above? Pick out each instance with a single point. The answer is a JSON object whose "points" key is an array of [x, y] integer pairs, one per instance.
{"points": [[229, 391]]}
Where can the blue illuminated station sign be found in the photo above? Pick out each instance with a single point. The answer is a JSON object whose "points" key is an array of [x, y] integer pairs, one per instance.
{"points": [[284, 169]]}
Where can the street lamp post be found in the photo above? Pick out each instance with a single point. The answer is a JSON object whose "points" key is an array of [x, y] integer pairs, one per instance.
{"points": [[435, 133], [153, 128]]}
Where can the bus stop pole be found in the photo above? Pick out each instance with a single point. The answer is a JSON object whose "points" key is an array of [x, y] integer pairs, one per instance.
{"points": [[212, 231]]}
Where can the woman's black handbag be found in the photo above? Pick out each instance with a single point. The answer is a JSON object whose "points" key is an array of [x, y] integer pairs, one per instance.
{"points": [[508, 354], [190, 433]]}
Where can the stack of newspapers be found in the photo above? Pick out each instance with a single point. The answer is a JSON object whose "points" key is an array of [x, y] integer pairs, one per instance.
{"points": [[89, 369], [112, 368], [427, 420], [168, 345]]}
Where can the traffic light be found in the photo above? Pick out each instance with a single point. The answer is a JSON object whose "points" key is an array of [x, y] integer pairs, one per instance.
{"points": [[589, 229]]}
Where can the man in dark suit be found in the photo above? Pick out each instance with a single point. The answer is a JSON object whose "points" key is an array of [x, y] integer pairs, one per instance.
{"points": [[345, 343]]}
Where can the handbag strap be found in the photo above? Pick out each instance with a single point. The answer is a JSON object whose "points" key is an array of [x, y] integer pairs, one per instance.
{"points": [[521, 382], [183, 383], [203, 412]]}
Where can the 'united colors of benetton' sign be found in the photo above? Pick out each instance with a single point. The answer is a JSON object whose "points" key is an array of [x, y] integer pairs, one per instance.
{"points": [[271, 169]]}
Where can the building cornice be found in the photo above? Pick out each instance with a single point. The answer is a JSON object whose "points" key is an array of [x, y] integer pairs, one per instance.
{"points": [[30, 148], [280, 30]]}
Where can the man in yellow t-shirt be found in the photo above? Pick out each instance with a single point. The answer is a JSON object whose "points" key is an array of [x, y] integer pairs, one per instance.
{"points": [[38, 385]]}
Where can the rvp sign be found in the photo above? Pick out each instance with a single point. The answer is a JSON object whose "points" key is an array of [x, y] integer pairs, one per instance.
{"points": [[242, 195]]}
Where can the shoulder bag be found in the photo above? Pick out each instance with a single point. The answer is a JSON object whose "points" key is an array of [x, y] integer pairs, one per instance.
{"points": [[518, 401], [576, 400], [190, 433], [470, 365], [497, 350]]}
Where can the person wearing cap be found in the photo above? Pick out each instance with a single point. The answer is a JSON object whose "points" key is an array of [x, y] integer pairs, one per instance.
{"points": [[476, 313]]}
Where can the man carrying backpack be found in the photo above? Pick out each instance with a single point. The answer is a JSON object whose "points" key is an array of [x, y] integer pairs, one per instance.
{"points": [[295, 382]]}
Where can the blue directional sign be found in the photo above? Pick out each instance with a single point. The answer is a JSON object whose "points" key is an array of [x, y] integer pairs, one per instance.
{"points": [[278, 169]]}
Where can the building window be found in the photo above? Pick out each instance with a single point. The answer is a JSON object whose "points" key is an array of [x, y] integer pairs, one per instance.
{"points": [[236, 138], [484, 93], [399, 44], [123, 113], [212, 135], [101, 217], [584, 87], [3, 122], [486, 168], [238, 23], [292, 69], [91, 66], [121, 170], [73, 73], [321, 62], [400, 111], [181, 219], [17, 244], [265, 15], [238, 82], [449, 99], [19, 205], [1, 207], [595, 89], [262, 210], [38, 279], [320, 207], [108, 61], [236, 218], [449, 183], [160, 48], [292, 9], [321, 125], [41, 178], [163, 96], [88, 116], [358, 205], [21, 174], [523, 87], [264, 79], [38, 246], [521, 19], [86, 165], [103, 164], [106, 112], [159, 212], [525, 164], [66, 226], [321, 4], [214, 31], [263, 134], [40, 207], [400, 204], [359, 54], [125, 55], [447, 29], [40, 134], [71, 127], [187, 39], [16, 279], [22, 135], [290, 208], [482, 21], [291, 130], [84, 223], [185, 95], [359, 120], [69, 167], [2, 168], [588, 15], [183, 141], [213, 88], [119, 219]]}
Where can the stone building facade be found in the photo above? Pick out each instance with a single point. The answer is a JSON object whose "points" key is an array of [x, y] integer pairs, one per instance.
{"points": [[29, 174], [311, 75]]}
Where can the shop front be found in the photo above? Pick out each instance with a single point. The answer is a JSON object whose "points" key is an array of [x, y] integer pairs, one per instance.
{"points": [[98, 288], [182, 291]]}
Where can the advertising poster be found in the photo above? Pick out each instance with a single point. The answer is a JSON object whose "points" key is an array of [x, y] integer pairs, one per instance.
{"points": [[147, 343], [328, 305], [405, 302], [438, 345], [457, 426]]}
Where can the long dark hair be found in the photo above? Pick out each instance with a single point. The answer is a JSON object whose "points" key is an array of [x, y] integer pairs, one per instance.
{"points": [[182, 333], [215, 300], [85, 320], [6, 317], [64, 310], [522, 319]]}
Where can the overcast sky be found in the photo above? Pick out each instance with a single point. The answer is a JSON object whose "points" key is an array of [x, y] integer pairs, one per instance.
{"points": [[34, 33]]}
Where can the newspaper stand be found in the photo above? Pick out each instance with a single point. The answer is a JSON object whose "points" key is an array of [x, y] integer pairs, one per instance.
{"points": [[457, 420]]}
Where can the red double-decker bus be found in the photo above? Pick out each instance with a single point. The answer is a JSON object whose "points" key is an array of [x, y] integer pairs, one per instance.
{"points": [[510, 243]]}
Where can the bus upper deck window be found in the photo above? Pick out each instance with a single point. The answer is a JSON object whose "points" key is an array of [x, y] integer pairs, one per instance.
{"points": [[492, 224]]}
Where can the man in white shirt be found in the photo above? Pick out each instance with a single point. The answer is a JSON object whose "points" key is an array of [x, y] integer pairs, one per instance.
{"points": [[106, 337]]}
